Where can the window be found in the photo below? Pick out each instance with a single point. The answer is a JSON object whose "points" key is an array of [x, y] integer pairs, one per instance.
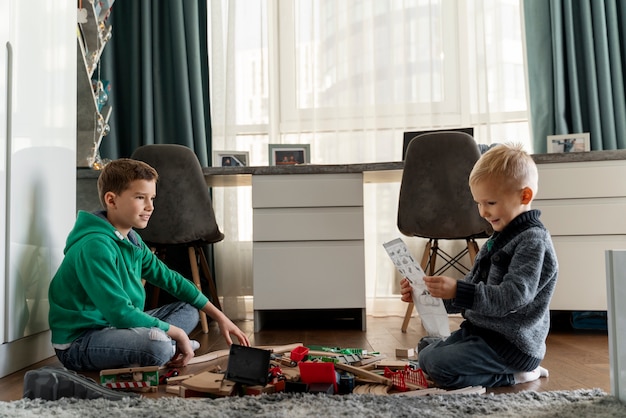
{"points": [[306, 69]]}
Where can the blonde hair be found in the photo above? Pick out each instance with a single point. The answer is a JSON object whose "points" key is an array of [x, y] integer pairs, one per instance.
{"points": [[117, 175], [508, 164]]}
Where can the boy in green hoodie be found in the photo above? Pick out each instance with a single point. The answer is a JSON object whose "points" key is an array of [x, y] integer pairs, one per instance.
{"points": [[97, 297]]}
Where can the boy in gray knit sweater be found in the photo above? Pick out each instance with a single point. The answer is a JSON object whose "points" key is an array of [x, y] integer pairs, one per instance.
{"points": [[505, 297]]}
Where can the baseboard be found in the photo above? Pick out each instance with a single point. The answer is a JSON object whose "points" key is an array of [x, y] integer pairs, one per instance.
{"points": [[24, 352]]}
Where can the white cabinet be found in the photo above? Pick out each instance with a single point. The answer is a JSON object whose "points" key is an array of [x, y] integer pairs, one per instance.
{"points": [[37, 168], [583, 205], [308, 245]]}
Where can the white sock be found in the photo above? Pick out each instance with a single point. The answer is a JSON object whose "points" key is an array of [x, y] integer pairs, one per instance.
{"points": [[194, 345], [525, 377]]}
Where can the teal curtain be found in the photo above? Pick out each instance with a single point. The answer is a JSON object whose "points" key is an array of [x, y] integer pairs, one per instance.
{"points": [[157, 65], [576, 51]]}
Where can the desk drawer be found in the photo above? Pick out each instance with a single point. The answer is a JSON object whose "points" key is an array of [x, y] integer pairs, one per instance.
{"points": [[582, 180], [581, 285], [309, 275], [307, 190], [302, 224], [583, 216]]}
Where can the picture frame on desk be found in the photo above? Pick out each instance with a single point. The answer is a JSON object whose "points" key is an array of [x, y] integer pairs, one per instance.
{"points": [[568, 143], [289, 154], [231, 158]]}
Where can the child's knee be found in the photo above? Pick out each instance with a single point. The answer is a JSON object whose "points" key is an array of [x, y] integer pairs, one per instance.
{"points": [[159, 350], [435, 367]]}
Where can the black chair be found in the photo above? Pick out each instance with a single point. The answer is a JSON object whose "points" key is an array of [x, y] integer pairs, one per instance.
{"points": [[435, 200], [183, 213]]}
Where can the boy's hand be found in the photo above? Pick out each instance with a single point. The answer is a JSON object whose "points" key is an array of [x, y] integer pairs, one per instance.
{"points": [[441, 286], [184, 352], [405, 290], [228, 328]]}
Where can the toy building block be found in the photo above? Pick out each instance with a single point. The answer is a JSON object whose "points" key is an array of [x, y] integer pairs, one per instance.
{"points": [[405, 352], [131, 378]]}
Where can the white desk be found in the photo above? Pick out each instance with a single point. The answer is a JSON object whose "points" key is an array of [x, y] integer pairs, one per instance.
{"points": [[582, 197]]}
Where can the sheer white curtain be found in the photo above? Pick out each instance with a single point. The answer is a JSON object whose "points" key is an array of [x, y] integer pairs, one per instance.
{"points": [[349, 77]]}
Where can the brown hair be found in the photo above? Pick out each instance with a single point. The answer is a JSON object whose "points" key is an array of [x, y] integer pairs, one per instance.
{"points": [[117, 175], [508, 163]]}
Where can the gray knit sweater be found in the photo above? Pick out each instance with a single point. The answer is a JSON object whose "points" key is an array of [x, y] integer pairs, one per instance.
{"points": [[505, 297]]}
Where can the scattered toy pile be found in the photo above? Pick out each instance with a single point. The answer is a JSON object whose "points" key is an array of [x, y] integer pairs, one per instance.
{"points": [[289, 368]]}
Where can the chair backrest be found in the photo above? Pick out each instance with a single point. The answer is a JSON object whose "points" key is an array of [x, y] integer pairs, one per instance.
{"points": [[183, 210], [435, 199]]}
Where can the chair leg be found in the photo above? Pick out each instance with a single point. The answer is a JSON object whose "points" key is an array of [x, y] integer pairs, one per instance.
{"points": [[425, 258], [472, 248], [207, 272], [193, 261]]}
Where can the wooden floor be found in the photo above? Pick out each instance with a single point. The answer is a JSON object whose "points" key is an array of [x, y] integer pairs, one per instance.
{"points": [[575, 359]]}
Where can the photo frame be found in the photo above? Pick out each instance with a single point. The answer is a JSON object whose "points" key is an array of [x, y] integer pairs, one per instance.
{"points": [[568, 143], [230, 158], [289, 154]]}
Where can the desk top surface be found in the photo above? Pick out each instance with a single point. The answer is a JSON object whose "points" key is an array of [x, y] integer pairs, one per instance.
{"points": [[373, 172]]}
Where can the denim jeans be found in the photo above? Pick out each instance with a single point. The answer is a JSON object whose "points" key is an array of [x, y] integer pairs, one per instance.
{"points": [[463, 360], [111, 348]]}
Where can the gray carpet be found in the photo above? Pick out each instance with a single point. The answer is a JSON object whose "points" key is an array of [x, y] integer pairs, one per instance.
{"points": [[563, 404]]}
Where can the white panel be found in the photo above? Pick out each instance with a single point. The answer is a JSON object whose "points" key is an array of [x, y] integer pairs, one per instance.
{"points": [[582, 180], [309, 275], [300, 224], [581, 284], [5, 25], [583, 216], [41, 167], [616, 295], [304, 190]]}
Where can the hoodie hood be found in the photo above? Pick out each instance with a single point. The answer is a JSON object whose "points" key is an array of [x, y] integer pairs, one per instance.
{"points": [[88, 224]]}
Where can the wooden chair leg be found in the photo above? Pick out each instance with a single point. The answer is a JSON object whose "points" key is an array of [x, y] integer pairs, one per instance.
{"points": [[409, 309], [207, 273], [472, 248], [193, 261]]}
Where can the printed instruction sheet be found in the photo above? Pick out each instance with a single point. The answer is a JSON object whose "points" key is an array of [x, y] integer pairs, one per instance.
{"points": [[431, 310]]}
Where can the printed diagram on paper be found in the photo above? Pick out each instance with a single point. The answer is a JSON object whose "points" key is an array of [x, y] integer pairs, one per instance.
{"points": [[431, 310]]}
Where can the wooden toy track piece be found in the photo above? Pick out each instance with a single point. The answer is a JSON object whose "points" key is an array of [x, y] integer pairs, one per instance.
{"points": [[372, 389], [209, 357], [204, 382], [224, 353], [364, 374]]}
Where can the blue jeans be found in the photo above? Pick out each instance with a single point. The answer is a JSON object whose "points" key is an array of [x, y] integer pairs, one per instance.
{"points": [[112, 348], [463, 360]]}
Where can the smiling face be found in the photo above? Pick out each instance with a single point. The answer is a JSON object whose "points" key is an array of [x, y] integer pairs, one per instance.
{"points": [[500, 204], [132, 207]]}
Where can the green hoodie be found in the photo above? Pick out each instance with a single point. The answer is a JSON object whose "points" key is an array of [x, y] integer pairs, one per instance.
{"points": [[98, 284]]}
